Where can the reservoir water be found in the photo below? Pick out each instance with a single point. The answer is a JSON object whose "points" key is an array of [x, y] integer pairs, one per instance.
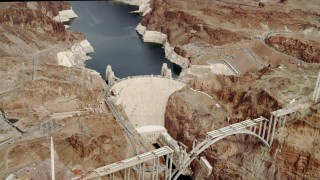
{"points": [[110, 28]]}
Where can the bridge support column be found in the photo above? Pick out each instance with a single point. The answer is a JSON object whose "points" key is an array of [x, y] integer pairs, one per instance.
{"points": [[273, 130], [111, 176], [167, 163], [194, 144], [142, 170], [284, 121], [264, 129], [250, 128], [157, 169], [260, 128], [170, 166], [316, 92], [255, 129], [269, 128]]}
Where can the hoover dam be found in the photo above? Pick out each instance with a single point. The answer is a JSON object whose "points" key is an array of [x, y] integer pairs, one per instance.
{"points": [[144, 98], [245, 106]]}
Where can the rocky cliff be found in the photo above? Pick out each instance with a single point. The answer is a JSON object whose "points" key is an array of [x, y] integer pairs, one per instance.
{"points": [[306, 49], [216, 29], [191, 114], [239, 95], [293, 155], [46, 91], [160, 38], [265, 42]]}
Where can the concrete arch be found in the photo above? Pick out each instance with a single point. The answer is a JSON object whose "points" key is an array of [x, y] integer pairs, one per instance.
{"points": [[208, 144]]}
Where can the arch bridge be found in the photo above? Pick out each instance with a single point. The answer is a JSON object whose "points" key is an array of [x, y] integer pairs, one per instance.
{"points": [[260, 128], [132, 92]]}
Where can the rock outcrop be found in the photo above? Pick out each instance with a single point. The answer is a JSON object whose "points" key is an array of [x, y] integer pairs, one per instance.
{"points": [[307, 50], [76, 56], [65, 15], [26, 19], [160, 38], [190, 114]]}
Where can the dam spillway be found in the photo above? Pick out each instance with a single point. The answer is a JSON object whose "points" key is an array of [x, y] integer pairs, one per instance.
{"points": [[144, 98]]}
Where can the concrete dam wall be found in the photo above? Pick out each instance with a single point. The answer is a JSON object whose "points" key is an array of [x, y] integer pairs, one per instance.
{"points": [[144, 98]]}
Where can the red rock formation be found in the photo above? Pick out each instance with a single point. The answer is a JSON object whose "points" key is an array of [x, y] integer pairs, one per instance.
{"points": [[307, 50], [190, 115], [293, 155], [33, 20], [90, 147], [242, 101], [49, 8]]}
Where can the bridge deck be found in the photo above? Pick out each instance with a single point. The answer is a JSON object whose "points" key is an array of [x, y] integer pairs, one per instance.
{"points": [[282, 112], [126, 163], [231, 128], [235, 127]]}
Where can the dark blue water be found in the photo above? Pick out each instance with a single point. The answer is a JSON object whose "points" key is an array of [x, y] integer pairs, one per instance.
{"points": [[110, 28]]}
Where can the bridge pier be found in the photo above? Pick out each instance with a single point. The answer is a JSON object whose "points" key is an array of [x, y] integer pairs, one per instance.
{"points": [[273, 130], [264, 128], [280, 117], [260, 128], [316, 93], [269, 128]]}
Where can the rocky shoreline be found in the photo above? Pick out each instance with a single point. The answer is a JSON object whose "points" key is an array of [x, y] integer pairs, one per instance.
{"points": [[77, 54], [155, 36], [160, 38], [65, 15], [144, 5]]}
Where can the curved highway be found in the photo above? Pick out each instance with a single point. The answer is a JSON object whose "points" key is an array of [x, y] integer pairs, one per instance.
{"points": [[121, 123]]}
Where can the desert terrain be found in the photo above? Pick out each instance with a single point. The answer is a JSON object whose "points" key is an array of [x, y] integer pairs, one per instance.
{"points": [[274, 49], [42, 97], [251, 57]]}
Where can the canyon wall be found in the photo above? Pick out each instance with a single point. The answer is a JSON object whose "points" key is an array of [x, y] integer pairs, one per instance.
{"points": [[46, 90], [160, 38], [306, 49], [293, 154], [76, 56], [214, 28]]}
